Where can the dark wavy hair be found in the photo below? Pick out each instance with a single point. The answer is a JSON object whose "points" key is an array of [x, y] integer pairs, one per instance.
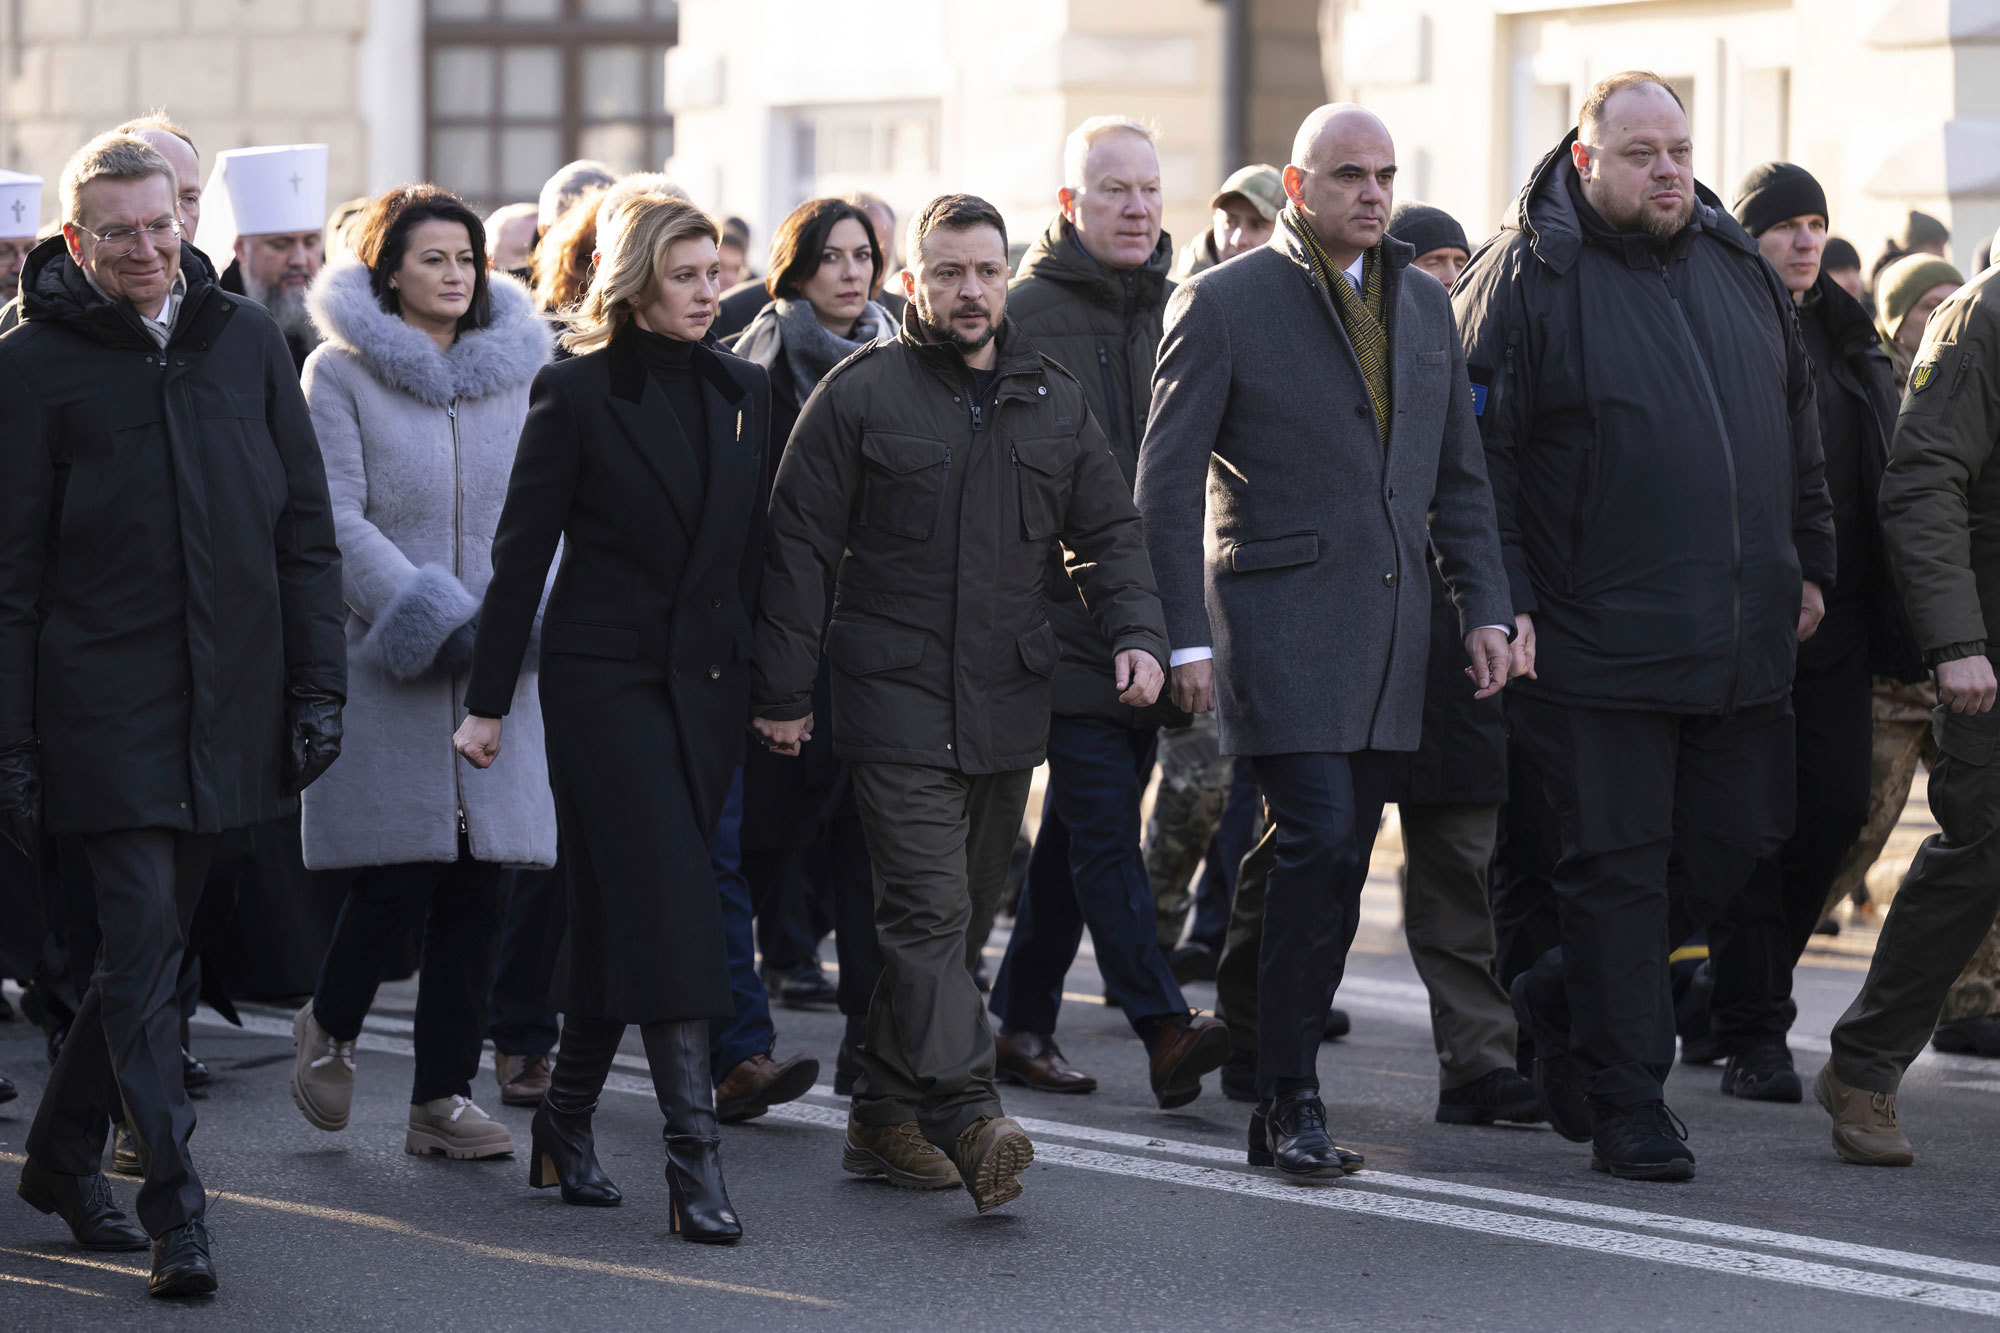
{"points": [[380, 238], [801, 237]]}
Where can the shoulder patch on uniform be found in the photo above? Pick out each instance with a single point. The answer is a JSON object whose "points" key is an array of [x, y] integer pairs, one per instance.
{"points": [[1922, 374]]}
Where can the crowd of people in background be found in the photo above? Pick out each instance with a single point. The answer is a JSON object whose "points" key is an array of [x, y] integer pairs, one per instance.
{"points": [[554, 606]]}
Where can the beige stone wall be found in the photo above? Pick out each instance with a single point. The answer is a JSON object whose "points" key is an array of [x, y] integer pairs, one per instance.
{"points": [[237, 73]]}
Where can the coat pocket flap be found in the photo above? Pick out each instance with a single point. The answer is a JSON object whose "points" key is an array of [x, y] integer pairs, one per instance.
{"points": [[1050, 455], [896, 452], [1970, 740], [1300, 548], [1431, 358], [1039, 650], [588, 640], [862, 650]]}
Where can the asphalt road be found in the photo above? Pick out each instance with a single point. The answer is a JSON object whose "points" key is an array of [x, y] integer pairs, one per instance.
{"points": [[1132, 1217]]}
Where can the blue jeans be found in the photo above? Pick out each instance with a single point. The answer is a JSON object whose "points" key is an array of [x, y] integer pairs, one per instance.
{"points": [[750, 1031], [1087, 870]]}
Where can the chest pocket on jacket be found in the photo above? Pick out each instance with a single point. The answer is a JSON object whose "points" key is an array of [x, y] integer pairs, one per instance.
{"points": [[1042, 467], [902, 483]]}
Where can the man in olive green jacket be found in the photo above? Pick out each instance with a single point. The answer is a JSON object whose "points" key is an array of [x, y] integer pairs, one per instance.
{"points": [[1940, 513], [925, 480], [1092, 292]]}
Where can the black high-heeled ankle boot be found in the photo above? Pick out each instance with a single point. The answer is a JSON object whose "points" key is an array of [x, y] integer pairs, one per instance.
{"points": [[564, 1151], [678, 1054]]}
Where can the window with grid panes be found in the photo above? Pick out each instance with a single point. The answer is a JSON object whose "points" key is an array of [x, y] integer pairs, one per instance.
{"points": [[516, 88]]}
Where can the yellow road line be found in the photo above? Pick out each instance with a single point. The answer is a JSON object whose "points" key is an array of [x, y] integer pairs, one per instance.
{"points": [[77, 1260], [53, 1286]]}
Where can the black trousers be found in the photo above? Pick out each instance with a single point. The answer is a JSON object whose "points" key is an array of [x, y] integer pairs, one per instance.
{"points": [[1662, 816], [147, 883], [1325, 810], [522, 1022], [459, 903], [1522, 885], [1755, 945]]}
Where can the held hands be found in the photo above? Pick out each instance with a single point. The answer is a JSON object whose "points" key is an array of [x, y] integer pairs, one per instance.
{"points": [[1522, 650], [1812, 609], [1194, 686], [1138, 677], [478, 739], [1966, 684], [1492, 661], [783, 737]]}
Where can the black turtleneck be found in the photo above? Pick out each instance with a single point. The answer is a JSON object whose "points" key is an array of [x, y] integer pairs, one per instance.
{"points": [[670, 361]]}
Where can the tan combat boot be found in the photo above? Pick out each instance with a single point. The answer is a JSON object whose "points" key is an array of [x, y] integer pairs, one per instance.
{"points": [[900, 1154], [1865, 1130], [990, 1155]]}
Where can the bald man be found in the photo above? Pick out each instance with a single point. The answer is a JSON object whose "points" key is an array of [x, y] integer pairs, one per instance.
{"points": [[1309, 410], [1648, 410]]}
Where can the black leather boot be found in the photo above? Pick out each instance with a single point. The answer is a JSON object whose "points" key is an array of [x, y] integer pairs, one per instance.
{"points": [[678, 1054], [85, 1203], [564, 1152]]}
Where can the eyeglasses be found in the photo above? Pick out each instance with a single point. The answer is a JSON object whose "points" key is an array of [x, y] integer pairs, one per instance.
{"points": [[122, 241]]}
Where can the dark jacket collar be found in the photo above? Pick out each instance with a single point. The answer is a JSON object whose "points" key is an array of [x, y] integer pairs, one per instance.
{"points": [[55, 290], [1058, 256], [1847, 322], [1015, 352], [1395, 254], [628, 370], [1546, 213]]}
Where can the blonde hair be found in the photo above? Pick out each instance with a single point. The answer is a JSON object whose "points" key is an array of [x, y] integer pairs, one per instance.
{"points": [[632, 246], [111, 156], [1076, 148]]}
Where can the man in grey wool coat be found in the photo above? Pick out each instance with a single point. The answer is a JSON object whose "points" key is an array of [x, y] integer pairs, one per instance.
{"points": [[1310, 409]]}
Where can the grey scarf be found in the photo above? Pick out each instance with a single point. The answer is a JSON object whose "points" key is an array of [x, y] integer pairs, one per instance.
{"points": [[788, 327]]}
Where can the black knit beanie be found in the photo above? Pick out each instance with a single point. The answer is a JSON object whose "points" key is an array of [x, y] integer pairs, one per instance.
{"points": [[1425, 229], [1774, 191], [1839, 254]]}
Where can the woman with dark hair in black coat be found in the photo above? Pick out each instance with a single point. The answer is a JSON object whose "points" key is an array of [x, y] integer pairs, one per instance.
{"points": [[645, 455]]}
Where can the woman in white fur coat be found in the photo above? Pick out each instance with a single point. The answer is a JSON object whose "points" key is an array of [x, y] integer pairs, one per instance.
{"points": [[418, 395]]}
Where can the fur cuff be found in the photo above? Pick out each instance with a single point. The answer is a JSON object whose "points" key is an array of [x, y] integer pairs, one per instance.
{"points": [[404, 642]]}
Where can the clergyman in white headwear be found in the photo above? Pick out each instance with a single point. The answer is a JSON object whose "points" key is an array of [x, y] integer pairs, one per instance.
{"points": [[271, 202]]}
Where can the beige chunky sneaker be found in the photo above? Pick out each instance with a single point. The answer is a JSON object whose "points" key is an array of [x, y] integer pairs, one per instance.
{"points": [[322, 1072], [458, 1129], [990, 1155], [1865, 1128], [899, 1154]]}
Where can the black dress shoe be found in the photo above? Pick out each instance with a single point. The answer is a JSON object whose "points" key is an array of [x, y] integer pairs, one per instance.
{"points": [[1763, 1073], [806, 987], [1239, 1076], [1338, 1024], [1260, 1146], [1643, 1142], [1558, 1082], [125, 1159], [1969, 1036], [1500, 1095], [1296, 1141], [194, 1074], [85, 1203], [181, 1265], [1193, 962]]}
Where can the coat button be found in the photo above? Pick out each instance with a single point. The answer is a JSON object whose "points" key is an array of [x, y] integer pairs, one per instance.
{"points": [[947, 745], [1389, 580], [715, 673], [1361, 409], [1392, 492], [184, 805], [716, 603], [1041, 390]]}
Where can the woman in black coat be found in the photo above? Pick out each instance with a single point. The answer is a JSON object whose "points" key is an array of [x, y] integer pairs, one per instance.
{"points": [[645, 454]]}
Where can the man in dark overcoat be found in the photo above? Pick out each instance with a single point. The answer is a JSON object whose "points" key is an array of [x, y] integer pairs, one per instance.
{"points": [[171, 661], [1309, 411]]}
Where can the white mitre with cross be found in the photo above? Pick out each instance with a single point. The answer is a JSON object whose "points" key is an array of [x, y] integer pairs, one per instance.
{"points": [[262, 192], [20, 205]]}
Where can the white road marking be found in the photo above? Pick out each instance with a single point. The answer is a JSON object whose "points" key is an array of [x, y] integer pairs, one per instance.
{"points": [[1360, 1194]]}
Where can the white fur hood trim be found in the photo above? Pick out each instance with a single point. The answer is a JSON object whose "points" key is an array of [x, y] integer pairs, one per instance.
{"points": [[503, 355]]}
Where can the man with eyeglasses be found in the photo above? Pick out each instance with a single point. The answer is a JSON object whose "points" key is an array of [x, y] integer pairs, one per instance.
{"points": [[171, 655], [274, 202]]}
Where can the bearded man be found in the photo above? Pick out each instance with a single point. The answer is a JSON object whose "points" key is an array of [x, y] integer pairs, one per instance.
{"points": [[274, 201]]}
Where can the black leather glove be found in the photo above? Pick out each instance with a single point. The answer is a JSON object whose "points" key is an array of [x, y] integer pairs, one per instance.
{"points": [[455, 653], [315, 739], [21, 797]]}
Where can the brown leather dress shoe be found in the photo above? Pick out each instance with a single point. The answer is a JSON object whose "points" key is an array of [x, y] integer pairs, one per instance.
{"points": [[760, 1083], [1182, 1050], [1035, 1061], [522, 1078]]}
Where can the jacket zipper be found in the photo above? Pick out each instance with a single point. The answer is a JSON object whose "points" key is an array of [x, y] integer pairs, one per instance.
{"points": [[1110, 393], [457, 571], [1957, 379], [1735, 503]]}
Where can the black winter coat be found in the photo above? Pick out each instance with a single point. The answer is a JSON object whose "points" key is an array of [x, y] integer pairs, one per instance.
{"points": [[1103, 326], [645, 658], [167, 561], [1653, 444]]}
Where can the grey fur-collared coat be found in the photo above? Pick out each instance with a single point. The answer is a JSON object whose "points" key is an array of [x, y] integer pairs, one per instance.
{"points": [[418, 446], [1284, 535]]}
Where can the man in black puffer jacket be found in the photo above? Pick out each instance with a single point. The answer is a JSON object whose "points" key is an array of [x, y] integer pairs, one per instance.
{"points": [[1653, 445], [1092, 293]]}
